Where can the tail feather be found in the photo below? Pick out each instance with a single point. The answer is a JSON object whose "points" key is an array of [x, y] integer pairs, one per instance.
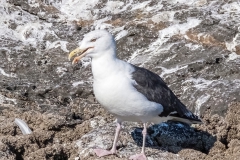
{"points": [[184, 120], [159, 119]]}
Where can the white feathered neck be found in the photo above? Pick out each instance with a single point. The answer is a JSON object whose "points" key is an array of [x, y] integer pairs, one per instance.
{"points": [[109, 65]]}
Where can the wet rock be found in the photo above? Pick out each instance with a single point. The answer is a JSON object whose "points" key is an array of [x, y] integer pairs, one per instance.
{"points": [[126, 145], [193, 46], [208, 141]]}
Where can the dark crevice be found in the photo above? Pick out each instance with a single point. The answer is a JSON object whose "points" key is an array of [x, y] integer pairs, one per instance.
{"points": [[19, 152]]}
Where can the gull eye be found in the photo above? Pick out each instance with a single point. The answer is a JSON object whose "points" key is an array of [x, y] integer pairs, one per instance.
{"points": [[93, 40]]}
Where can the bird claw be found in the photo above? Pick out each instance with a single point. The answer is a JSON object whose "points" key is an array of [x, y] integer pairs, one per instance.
{"points": [[103, 152], [140, 156]]}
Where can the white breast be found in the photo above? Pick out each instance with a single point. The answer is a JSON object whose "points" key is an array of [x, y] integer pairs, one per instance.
{"points": [[116, 93]]}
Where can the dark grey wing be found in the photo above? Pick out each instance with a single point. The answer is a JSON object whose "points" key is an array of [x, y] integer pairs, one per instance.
{"points": [[155, 89]]}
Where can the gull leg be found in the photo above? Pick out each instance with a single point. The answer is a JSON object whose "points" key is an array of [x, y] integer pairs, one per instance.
{"points": [[142, 155], [103, 152]]}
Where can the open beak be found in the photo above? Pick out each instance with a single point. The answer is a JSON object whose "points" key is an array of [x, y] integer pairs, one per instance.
{"points": [[76, 51]]}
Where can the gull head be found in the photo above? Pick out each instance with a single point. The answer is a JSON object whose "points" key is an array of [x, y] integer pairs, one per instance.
{"points": [[94, 44]]}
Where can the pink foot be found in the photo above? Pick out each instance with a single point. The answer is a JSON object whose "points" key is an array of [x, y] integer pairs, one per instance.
{"points": [[103, 152], [140, 156]]}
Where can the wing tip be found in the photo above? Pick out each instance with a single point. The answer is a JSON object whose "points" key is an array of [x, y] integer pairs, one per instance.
{"points": [[186, 120], [188, 117]]}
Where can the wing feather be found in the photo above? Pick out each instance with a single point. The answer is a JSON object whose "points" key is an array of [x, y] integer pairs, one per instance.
{"points": [[155, 89]]}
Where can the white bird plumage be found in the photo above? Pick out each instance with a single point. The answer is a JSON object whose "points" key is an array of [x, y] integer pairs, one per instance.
{"points": [[116, 89], [113, 88]]}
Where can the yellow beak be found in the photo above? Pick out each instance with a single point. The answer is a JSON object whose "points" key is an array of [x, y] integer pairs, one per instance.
{"points": [[76, 51]]}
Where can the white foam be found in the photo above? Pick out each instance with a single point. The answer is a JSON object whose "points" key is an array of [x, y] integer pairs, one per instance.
{"points": [[56, 44], [121, 34], [32, 32], [33, 3], [100, 23], [134, 55], [75, 84], [140, 5], [3, 99], [233, 56], [169, 58], [157, 47], [6, 74], [28, 27], [231, 45], [185, 2], [171, 70], [192, 46], [163, 16], [93, 123], [200, 2], [200, 101], [61, 71], [233, 7], [113, 7], [178, 28], [200, 83], [75, 9]]}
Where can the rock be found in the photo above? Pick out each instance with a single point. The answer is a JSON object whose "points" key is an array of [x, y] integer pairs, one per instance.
{"points": [[193, 46], [175, 139], [102, 137]]}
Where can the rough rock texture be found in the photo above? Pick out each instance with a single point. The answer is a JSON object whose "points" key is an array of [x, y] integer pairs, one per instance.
{"points": [[194, 45], [218, 138]]}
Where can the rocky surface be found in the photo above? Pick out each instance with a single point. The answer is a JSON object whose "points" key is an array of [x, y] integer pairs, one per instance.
{"points": [[193, 45]]}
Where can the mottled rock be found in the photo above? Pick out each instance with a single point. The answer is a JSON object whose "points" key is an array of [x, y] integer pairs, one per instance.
{"points": [[192, 45]]}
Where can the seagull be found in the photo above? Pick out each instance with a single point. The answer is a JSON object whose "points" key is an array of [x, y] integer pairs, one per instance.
{"points": [[128, 92]]}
